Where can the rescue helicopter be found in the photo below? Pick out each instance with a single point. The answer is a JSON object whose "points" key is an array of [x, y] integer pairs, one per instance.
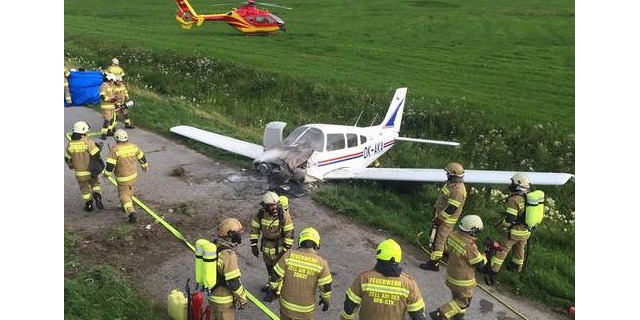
{"points": [[247, 19], [319, 152]]}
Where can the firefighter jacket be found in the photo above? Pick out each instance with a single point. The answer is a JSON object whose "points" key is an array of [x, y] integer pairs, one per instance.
{"points": [[383, 297], [278, 227], [120, 93], [463, 255], [122, 161], [117, 70], [77, 156], [449, 205], [300, 272], [514, 217], [228, 271], [106, 96]]}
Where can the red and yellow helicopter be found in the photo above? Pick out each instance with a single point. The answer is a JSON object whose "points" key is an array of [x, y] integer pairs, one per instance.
{"points": [[247, 19]]}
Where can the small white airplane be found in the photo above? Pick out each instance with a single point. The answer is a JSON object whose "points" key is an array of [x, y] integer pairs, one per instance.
{"points": [[317, 152]]}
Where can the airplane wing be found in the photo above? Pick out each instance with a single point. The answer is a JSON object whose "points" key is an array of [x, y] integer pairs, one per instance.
{"points": [[240, 147], [439, 175]]}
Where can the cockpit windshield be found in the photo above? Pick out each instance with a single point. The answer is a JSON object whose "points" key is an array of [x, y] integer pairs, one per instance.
{"points": [[306, 136], [277, 19]]}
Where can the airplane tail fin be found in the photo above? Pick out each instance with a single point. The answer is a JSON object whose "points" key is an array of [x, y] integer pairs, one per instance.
{"points": [[393, 119], [186, 15]]}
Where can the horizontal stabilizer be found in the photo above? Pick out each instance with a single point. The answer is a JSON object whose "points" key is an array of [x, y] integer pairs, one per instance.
{"points": [[446, 143], [240, 147], [439, 175]]}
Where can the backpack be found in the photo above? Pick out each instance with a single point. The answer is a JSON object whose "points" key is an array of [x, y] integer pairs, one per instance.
{"points": [[534, 208]]}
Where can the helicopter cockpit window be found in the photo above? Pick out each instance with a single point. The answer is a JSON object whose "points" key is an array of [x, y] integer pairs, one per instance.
{"points": [[259, 19], [311, 137], [276, 19], [335, 141], [352, 140]]}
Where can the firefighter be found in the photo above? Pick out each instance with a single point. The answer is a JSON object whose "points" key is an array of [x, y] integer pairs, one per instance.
{"points": [[228, 293], [516, 233], [464, 259], [274, 227], [122, 162], [107, 108], [386, 279], [121, 102], [77, 157], [298, 274], [115, 68], [67, 93], [446, 210]]}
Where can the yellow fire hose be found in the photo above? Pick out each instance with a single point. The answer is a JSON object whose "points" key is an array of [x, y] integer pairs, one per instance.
{"points": [[180, 237], [481, 286]]}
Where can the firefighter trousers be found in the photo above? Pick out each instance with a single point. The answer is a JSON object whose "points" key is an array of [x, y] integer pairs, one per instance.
{"points": [[125, 192], [518, 244], [441, 237], [461, 299], [88, 186]]}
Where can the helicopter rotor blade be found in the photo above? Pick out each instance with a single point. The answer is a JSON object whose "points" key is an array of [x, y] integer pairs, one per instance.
{"points": [[225, 4], [273, 5]]}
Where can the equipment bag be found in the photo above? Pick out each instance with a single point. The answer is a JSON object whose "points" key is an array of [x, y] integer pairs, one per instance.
{"points": [[177, 305], [534, 208]]}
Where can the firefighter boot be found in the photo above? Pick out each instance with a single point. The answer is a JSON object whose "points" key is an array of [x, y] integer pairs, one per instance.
{"points": [[88, 206], [433, 265], [132, 217], [512, 266], [437, 315], [98, 198]]}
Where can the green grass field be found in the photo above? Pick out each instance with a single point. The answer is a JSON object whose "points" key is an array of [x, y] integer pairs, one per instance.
{"points": [[497, 76]]}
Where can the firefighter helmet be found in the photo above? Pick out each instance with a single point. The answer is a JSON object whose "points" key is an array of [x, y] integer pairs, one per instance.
{"points": [[389, 250], [284, 201], [229, 226], [471, 223], [118, 79], [115, 61], [270, 198], [121, 135], [454, 169], [309, 233], [520, 180], [81, 127], [111, 77]]}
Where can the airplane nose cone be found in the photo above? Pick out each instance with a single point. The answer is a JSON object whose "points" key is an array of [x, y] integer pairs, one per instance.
{"points": [[263, 168]]}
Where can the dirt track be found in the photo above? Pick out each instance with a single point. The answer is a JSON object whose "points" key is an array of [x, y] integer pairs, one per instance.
{"points": [[208, 192]]}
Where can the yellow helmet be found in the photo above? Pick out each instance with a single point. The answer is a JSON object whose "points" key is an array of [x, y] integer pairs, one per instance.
{"points": [[270, 198], [389, 250], [520, 180], [229, 225], [471, 223], [309, 233], [121, 135], [115, 61], [284, 202], [81, 127], [454, 169]]}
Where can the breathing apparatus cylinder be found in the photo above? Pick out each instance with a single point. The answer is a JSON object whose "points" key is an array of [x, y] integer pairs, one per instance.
{"points": [[534, 209], [199, 263], [209, 259]]}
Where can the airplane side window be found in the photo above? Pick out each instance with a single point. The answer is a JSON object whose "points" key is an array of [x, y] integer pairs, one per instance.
{"points": [[352, 140], [363, 139], [335, 141]]}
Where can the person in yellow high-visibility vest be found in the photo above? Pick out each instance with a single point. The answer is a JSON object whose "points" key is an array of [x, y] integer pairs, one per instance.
{"points": [[77, 157], [67, 93], [115, 68], [122, 162], [107, 106], [464, 259], [386, 279]]}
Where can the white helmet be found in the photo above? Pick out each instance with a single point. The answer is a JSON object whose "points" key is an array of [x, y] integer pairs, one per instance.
{"points": [[115, 61], [471, 223], [118, 78], [111, 77], [121, 135], [81, 127], [270, 198], [520, 180]]}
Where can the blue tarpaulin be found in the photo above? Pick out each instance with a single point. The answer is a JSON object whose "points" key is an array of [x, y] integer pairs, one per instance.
{"points": [[84, 87]]}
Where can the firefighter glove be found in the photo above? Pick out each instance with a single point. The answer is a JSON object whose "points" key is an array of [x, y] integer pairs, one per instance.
{"points": [[270, 295], [437, 222], [255, 251], [324, 303], [240, 304]]}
